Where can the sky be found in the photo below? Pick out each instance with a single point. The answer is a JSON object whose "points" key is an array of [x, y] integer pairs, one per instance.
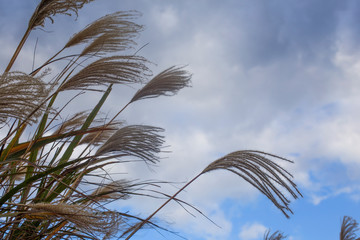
{"points": [[271, 75]]}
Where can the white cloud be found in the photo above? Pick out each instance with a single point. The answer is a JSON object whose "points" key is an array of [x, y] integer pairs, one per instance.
{"points": [[252, 231], [353, 191]]}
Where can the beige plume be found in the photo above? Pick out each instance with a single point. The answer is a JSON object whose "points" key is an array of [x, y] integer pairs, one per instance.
{"points": [[166, 83], [98, 138], [119, 189], [264, 174], [84, 218], [20, 95], [139, 141], [112, 32], [116, 69], [49, 8]]}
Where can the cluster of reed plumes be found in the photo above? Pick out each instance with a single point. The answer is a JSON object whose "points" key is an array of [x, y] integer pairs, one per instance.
{"points": [[50, 191]]}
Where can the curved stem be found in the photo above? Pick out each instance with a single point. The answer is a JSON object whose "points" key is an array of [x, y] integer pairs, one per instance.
{"points": [[18, 49], [163, 205]]}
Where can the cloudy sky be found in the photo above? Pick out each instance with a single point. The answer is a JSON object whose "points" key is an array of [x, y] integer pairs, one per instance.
{"points": [[272, 75]]}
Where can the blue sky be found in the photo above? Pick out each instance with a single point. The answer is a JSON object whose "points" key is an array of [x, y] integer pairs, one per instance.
{"points": [[272, 75]]}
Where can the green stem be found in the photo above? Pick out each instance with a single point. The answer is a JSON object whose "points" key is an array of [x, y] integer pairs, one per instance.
{"points": [[88, 121]]}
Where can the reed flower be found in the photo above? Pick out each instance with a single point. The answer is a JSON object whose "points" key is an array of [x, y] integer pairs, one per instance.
{"points": [[109, 70], [166, 83], [277, 235], [349, 227], [139, 141], [84, 218], [21, 95], [50, 8], [111, 33]]}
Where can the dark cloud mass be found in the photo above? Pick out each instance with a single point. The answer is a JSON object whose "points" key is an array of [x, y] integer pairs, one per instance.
{"points": [[270, 30]]}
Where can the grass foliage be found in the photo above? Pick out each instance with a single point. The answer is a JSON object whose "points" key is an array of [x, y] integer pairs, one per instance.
{"points": [[44, 181]]}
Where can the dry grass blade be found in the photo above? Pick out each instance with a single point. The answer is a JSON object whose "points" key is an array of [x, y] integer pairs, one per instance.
{"points": [[257, 169], [275, 236], [49, 8], [84, 218], [109, 70], [348, 228], [20, 95], [139, 141], [167, 83]]}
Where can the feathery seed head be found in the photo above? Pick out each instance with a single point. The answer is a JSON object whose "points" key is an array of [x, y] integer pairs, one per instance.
{"points": [[348, 228], [264, 174], [83, 217], [140, 141], [118, 26], [109, 70], [20, 95], [49, 8], [108, 43], [98, 138], [115, 190], [166, 83], [274, 236]]}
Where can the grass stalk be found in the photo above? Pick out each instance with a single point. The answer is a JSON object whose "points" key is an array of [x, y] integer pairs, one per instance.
{"points": [[18, 50], [139, 226]]}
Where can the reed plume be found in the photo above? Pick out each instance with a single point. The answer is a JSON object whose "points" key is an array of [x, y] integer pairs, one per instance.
{"points": [[115, 190], [98, 138], [46, 9], [20, 95], [166, 83], [109, 70], [349, 227], [84, 218], [255, 168], [109, 42], [50, 8], [274, 236], [264, 174], [139, 141], [111, 33]]}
